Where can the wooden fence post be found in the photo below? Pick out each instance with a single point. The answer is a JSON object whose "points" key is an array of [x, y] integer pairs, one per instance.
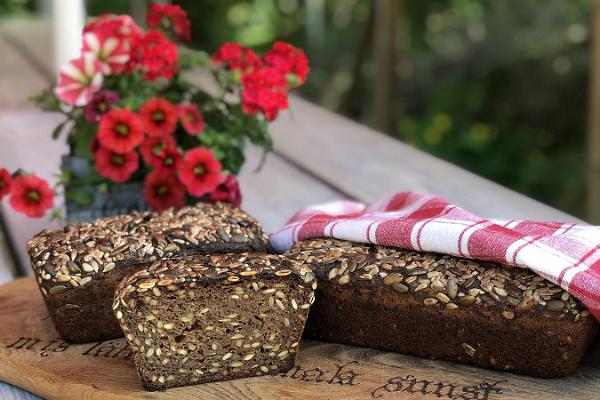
{"points": [[384, 56]]}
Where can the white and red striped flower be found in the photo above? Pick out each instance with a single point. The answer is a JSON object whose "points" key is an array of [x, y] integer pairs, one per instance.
{"points": [[111, 51], [79, 80]]}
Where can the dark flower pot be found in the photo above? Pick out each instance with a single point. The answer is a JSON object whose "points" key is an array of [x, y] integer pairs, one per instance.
{"points": [[87, 202]]}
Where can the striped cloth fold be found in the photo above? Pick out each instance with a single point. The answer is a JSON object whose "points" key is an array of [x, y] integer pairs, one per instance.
{"points": [[565, 254]]}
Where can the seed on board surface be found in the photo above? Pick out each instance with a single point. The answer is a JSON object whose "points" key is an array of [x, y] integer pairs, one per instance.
{"points": [[508, 314], [470, 350], [344, 279], [227, 356], [392, 278], [283, 272], [555, 305], [451, 306]]}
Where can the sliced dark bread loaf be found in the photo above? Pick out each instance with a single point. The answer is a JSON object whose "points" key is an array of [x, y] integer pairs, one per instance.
{"points": [[79, 267], [210, 318], [444, 307]]}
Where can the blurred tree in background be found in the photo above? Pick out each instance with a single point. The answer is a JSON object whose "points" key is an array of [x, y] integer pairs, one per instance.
{"points": [[499, 87]]}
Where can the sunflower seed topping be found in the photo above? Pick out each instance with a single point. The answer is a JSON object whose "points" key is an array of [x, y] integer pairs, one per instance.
{"points": [[437, 280]]}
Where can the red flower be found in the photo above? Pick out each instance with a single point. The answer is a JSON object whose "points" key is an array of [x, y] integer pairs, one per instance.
{"points": [[31, 196], [100, 105], [117, 167], [200, 171], [191, 119], [120, 26], [159, 117], [163, 190], [152, 149], [170, 18], [120, 130], [265, 90], [169, 160], [228, 191], [79, 80], [155, 56], [237, 57], [288, 59], [5, 182]]}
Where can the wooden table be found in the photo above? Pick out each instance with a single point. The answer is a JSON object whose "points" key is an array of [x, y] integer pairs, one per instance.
{"points": [[318, 156]]}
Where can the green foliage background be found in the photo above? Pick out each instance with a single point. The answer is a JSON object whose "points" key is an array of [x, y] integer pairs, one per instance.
{"points": [[498, 87]]}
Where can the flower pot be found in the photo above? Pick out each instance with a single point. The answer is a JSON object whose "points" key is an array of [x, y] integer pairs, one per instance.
{"points": [[87, 202]]}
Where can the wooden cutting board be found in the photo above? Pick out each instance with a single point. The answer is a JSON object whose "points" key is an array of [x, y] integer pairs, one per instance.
{"points": [[33, 357]]}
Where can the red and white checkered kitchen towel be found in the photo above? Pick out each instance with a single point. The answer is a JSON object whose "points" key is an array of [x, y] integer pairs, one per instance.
{"points": [[566, 254]]}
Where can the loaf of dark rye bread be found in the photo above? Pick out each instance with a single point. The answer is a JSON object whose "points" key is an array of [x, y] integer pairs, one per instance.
{"points": [[79, 267], [211, 318], [444, 307]]}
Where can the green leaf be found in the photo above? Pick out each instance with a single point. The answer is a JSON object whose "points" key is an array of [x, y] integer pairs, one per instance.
{"points": [[83, 196], [194, 58], [46, 100], [59, 128], [81, 138], [56, 215]]}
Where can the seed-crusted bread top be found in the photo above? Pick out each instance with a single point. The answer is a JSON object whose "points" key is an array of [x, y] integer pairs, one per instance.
{"points": [[438, 280], [167, 274], [79, 253]]}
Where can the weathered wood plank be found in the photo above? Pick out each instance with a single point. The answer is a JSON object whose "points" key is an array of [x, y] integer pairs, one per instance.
{"points": [[276, 192], [19, 79], [32, 40], [33, 357], [368, 165]]}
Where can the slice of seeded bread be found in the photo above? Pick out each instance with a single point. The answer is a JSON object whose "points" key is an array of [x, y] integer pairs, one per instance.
{"points": [[79, 267], [210, 318]]}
